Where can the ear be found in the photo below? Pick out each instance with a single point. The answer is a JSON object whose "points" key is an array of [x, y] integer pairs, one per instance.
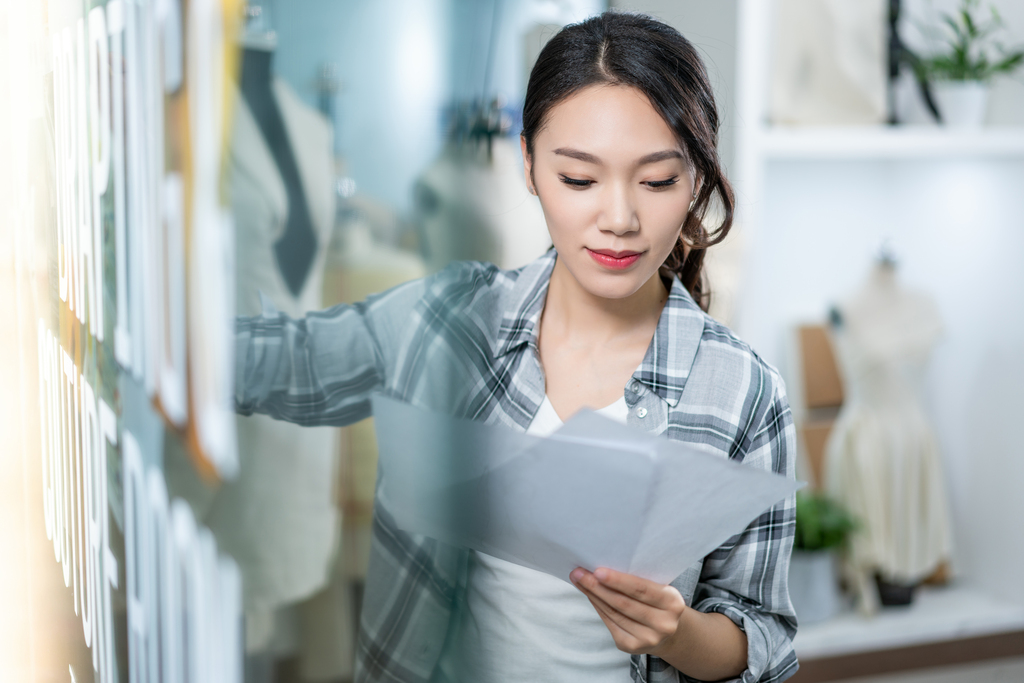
{"points": [[527, 165], [698, 183]]}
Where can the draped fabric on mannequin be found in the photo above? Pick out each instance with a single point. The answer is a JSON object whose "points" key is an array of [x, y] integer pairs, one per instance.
{"points": [[297, 246], [883, 462]]}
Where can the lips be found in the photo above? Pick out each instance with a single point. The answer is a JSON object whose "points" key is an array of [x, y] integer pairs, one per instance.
{"points": [[614, 260]]}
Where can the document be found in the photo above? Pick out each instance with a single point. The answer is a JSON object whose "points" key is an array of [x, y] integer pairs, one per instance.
{"points": [[595, 493]]}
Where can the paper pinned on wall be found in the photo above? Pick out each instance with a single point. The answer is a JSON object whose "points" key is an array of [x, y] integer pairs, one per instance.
{"points": [[595, 493]]}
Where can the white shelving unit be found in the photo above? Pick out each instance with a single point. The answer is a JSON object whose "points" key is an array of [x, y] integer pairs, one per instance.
{"points": [[794, 189], [886, 143], [759, 144], [937, 615]]}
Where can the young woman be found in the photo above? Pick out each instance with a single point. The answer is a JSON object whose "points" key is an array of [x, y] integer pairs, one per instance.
{"points": [[619, 141]]}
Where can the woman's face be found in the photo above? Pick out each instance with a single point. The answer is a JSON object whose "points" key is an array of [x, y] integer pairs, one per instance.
{"points": [[614, 186]]}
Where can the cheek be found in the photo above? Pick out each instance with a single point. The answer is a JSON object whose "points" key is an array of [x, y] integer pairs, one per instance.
{"points": [[662, 218], [568, 213]]}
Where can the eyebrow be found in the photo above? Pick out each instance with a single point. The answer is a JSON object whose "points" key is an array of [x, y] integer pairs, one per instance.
{"points": [[591, 159]]}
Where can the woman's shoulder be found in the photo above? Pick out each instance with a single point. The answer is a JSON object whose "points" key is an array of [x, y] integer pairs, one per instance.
{"points": [[481, 284], [729, 366], [738, 400], [472, 282]]}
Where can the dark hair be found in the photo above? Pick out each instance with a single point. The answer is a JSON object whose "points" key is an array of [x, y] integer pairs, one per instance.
{"points": [[641, 52]]}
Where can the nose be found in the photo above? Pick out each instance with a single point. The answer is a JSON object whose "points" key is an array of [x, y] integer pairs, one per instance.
{"points": [[618, 215]]}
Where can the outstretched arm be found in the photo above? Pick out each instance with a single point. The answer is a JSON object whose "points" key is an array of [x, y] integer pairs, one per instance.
{"points": [[320, 369]]}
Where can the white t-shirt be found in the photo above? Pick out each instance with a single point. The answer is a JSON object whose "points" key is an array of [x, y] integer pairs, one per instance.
{"points": [[519, 624]]}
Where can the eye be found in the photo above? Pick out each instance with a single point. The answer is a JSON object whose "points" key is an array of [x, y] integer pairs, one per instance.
{"points": [[575, 182], [660, 184]]}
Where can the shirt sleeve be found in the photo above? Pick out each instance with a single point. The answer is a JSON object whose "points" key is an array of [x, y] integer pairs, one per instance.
{"points": [[746, 578], [320, 369]]}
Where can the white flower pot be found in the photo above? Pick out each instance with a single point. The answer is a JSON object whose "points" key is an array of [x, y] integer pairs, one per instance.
{"points": [[962, 104], [813, 585]]}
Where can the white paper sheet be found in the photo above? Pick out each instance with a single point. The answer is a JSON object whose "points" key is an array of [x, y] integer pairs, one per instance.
{"points": [[596, 493]]}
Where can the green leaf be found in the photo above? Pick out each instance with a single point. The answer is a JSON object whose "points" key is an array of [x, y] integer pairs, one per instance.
{"points": [[951, 22], [972, 30], [997, 18], [1008, 64], [821, 523], [972, 53]]}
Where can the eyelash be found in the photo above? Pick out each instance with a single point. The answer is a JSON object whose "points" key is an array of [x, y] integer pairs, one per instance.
{"points": [[653, 184]]}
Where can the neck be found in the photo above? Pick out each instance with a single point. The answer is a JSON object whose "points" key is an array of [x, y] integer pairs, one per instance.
{"points": [[256, 72], [574, 312]]}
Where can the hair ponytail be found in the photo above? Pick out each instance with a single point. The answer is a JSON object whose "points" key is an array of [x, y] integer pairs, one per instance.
{"points": [[687, 258]]}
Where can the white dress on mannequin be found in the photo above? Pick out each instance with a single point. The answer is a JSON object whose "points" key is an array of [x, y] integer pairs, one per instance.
{"points": [[883, 462]]}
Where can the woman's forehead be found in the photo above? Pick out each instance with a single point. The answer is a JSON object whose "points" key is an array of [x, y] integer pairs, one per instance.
{"points": [[611, 122]]}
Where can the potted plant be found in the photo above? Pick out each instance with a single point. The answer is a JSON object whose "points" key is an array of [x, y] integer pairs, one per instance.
{"points": [[822, 528], [960, 74]]}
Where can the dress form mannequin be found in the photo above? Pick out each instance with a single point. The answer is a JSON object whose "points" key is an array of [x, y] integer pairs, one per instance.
{"points": [[882, 460], [473, 204]]}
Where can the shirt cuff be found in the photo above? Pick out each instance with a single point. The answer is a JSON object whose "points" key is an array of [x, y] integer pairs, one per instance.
{"points": [[759, 641]]}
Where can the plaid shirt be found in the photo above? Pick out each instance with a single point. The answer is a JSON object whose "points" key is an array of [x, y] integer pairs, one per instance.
{"points": [[465, 342]]}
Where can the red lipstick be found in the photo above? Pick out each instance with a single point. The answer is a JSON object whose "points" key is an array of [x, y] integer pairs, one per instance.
{"points": [[614, 260]]}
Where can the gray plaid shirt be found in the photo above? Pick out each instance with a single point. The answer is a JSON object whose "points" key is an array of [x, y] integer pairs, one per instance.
{"points": [[464, 342]]}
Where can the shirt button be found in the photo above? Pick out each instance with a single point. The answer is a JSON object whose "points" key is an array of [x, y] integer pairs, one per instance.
{"points": [[641, 412], [634, 386]]}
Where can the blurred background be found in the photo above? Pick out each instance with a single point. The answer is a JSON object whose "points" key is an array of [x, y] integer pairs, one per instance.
{"points": [[164, 166]]}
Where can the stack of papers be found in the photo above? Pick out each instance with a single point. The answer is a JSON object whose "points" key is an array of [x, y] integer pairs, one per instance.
{"points": [[595, 493]]}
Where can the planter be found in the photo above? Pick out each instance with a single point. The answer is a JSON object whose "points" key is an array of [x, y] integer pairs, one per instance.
{"points": [[813, 586], [962, 104], [894, 594]]}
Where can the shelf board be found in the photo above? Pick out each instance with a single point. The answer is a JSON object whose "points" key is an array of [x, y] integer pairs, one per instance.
{"points": [[884, 142], [937, 614]]}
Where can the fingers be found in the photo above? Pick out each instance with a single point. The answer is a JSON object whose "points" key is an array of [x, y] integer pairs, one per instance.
{"points": [[629, 636], [611, 619], [663, 615], [649, 592], [633, 609]]}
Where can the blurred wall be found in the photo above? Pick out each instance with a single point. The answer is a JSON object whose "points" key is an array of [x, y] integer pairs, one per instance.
{"points": [[711, 27], [401, 63], [392, 58], [473, 48]]}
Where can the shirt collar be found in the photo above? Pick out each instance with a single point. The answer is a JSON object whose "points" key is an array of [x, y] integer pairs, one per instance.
{"points": [[666, 365], [522, 316]]}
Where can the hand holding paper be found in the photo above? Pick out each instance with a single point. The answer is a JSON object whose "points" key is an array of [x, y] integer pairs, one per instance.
{"points": [[594, 494]]}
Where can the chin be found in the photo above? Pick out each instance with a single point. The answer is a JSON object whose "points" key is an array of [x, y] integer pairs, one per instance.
{"points": [[609, 285]]}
